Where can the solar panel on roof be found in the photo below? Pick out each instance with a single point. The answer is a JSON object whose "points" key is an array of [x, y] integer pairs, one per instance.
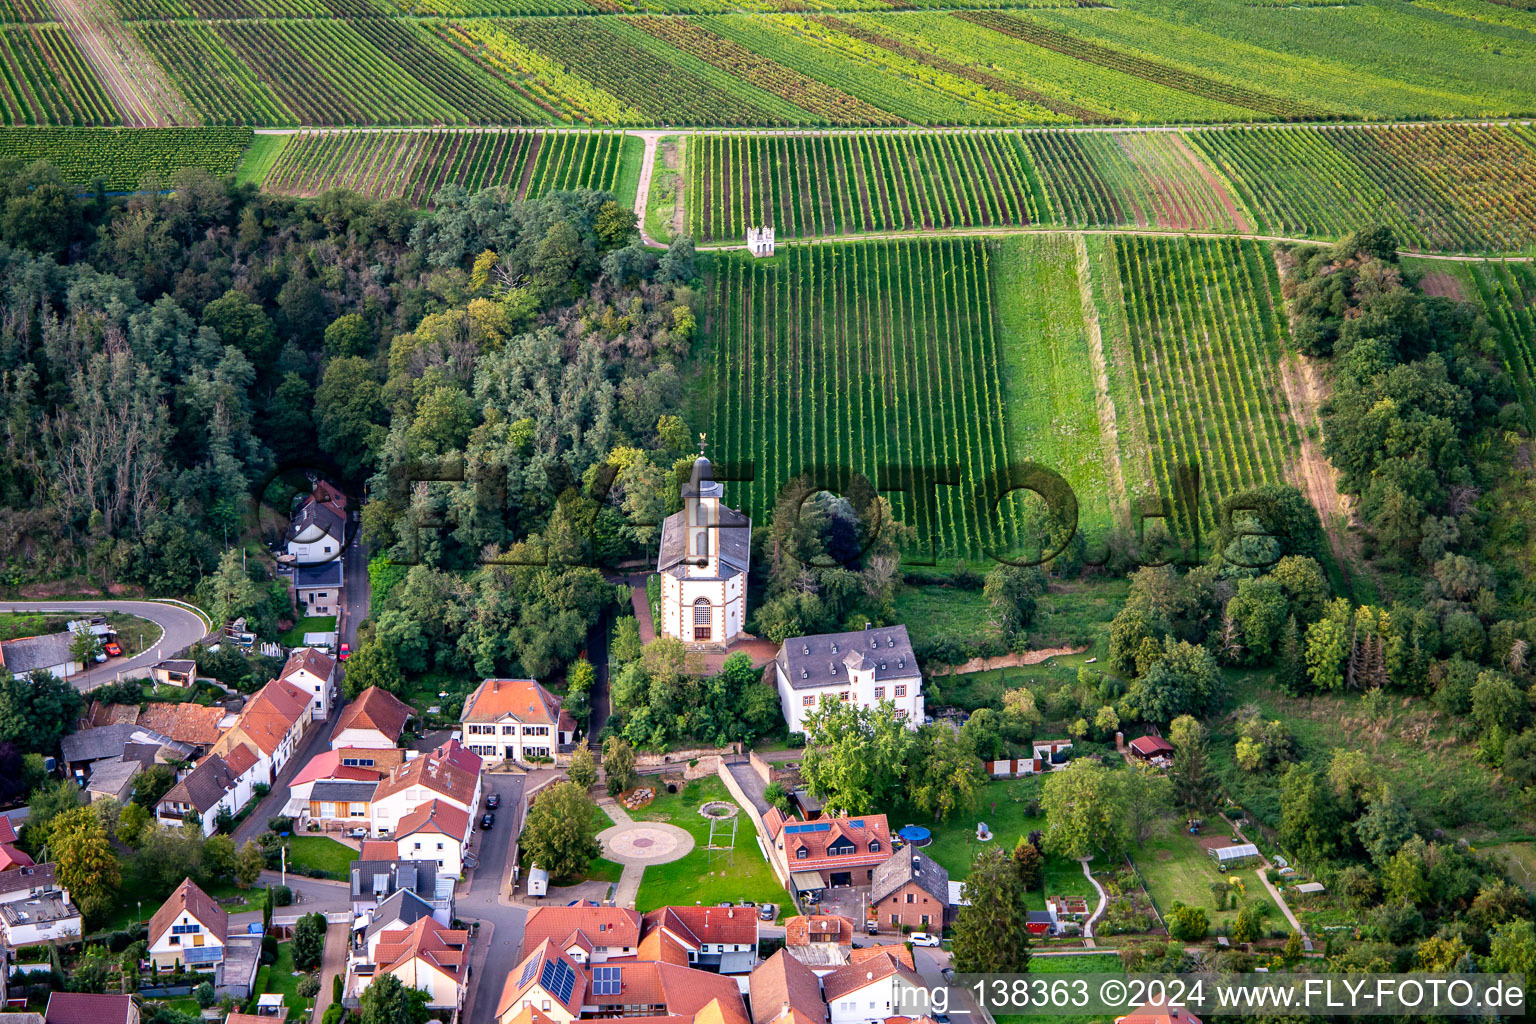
{"points": [[857, 823], [528, 969], [558, 978], [605, 981]]}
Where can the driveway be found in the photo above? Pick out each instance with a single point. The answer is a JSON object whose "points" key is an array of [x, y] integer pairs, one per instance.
{"points": [[316, 741], [179, 628]]}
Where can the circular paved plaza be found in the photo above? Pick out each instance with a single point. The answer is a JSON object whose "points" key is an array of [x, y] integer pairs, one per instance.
{"points": [[648, 842]]}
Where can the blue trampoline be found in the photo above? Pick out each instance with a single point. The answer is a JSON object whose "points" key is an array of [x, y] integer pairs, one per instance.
{"points": [[915, 835]]}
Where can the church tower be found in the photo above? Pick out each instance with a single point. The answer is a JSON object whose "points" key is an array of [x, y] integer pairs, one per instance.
{"points": [[703, 562]]}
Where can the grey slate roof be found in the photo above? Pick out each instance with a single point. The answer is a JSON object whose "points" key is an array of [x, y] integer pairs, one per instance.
{"points": [[910, 865], [33, 652], [327, 574], [313, 513], [111, 778], [113, 740], [343, 791], [204, 786], [401, 910], [419, 876], [40, 876], [823, 660]]}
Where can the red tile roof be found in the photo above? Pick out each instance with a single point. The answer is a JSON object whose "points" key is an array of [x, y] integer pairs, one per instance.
{"points": [[851, 977], [684, 991], [1158, 1013], [809, 928], [328, 765], [241, 759], [11, 857], [603, 926], [522, 699], [784, 986], [189, 898], [1151, 746], [188, 723], [7, 830], [271, 713], [697, 925], [900, 950], [444, 771], [378, 849], [435, 816], [86, 1008], [530, 968], [308, 659], [426, 940], [375, 709], [859, 831]]}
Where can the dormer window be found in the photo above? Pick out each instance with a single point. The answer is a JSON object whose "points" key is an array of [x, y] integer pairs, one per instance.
{"points": [[874, 846], [801, 853]]}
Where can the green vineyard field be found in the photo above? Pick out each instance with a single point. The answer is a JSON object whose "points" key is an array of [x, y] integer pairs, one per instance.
{"points": [[127, 159], [415, 164], [810, 186], [1193, 335], [864, 355], [1442, 187]]}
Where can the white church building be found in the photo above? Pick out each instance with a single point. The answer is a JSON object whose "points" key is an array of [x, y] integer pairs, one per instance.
{"points": [[705, 554]]}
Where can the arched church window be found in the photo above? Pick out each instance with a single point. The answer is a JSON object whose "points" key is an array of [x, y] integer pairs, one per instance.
{"points": [[701, 612], [701, 545], [701, 514]]}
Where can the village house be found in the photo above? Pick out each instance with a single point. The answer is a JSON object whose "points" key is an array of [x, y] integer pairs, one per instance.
{"points": [[176, 672], [719, 939], [121, 741], [341, 804], [1151, 749], [822, 942], [49, 653], [216, 784], [271, 724], [864, 667], [189, 930], [786, 991], [424, 955], [515, 720], [379, 874], [865, 992], [374, 719], [324, 767], [317, 532], [551, 986], [90, 1008], [448, 772], [317, 588], [435, 830], [313, 672], [193, 724], [112, 780], [829, 853], [911, 890], [586, 932], [704, 556], [34, 909]]}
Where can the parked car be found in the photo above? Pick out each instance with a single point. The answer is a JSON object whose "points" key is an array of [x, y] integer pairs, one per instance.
{"points": [[358, 833], [725, 903], [871, 928], [346, 652], [487, 820], [924, 939], [767, 911], [113, 649], [493, 801]]}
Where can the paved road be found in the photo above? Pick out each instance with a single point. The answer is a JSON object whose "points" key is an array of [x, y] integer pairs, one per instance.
{"points": [[179, 628], [482, 900]]}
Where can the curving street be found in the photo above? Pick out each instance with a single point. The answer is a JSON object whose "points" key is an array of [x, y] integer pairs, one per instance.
{"points": [[179, 628]]}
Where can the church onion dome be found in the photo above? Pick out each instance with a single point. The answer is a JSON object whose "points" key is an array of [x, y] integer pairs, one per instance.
{"points": [[702, 483]]}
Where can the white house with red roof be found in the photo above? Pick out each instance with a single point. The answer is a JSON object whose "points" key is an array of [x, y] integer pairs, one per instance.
{"points": [[515, 720], [865, 992], [830, 852], [721, 939], [271, 724], [376, 719], [436, 830], [425, 955], [326, 766], [585, 931], [449, 773], [314, 672]]}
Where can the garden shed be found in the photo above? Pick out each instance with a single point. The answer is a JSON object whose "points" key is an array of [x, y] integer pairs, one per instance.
{"points": [[1235, 856]]}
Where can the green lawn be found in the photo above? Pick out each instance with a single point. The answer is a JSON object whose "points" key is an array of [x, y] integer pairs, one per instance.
{"points": [[627, 185], [1519, 860], [739, 875], [929, 612], [263, 152], [1048, 372], [279, 977], [1002, 806], [321, 853], [313, 624], [662, 198], [133, 891], [1174, 868], [1081, 963]]}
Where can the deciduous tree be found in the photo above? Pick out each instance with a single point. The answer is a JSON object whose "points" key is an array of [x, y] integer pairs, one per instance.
{"points": [[561, 833]]}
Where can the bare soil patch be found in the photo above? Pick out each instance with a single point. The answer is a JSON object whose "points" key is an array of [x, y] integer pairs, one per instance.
{"points": [[1442, 285]]}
